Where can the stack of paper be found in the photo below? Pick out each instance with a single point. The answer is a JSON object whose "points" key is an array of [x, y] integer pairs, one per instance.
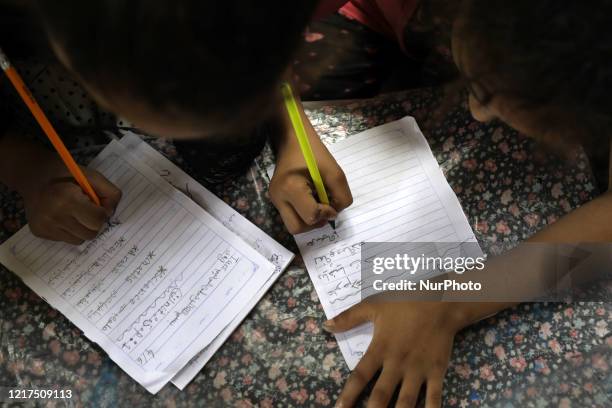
{"points": [[166, 282]]}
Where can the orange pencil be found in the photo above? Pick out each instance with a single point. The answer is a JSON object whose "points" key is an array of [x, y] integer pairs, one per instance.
{"points": [[46, 126]]}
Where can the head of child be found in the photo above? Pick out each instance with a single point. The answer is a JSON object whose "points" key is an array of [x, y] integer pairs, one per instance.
{"points": [[543, 67], [179, 68]]}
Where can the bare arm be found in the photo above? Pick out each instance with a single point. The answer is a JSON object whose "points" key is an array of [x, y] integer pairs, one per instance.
{"points": [[589, 223]]}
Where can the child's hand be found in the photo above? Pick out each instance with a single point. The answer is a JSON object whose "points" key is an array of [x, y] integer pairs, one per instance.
{"points": [[57, 209], [412, 344], [291, 188], [293, 194]]}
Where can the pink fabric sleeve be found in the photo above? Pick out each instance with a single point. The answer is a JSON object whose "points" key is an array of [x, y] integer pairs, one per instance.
{"points": [[388, 17], [327, 7]]}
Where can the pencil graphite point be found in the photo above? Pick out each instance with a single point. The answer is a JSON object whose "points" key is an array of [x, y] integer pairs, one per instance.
{"points": [[332, 223]]}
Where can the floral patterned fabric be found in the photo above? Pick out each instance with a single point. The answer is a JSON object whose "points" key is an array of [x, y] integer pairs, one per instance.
{"points": [[533, 355]]}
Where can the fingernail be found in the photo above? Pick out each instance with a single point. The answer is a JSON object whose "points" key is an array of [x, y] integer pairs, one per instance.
{"points": [[339, 404], [329, 325]]}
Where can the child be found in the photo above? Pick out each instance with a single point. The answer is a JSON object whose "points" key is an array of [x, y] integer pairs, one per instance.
{"points": [[212, 78], [55, 206], [545, 68]]}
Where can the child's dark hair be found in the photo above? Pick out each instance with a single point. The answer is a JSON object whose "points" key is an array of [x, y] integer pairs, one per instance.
{"points": [[550, 54], [202, 57]]}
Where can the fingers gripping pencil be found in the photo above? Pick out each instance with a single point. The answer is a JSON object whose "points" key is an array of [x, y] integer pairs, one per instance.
{"points": [[300, 132]]}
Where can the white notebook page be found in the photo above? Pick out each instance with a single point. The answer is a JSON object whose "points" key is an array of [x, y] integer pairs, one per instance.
{"points": [[400, 195], [249, 232], [156, 286]]}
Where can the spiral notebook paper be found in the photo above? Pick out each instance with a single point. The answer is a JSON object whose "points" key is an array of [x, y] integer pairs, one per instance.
{"points": [[399, 195], [159, 284]]}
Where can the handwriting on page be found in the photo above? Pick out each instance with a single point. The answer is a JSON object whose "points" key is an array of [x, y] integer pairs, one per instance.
{"points": [[400, 195], [109, 281], [157, 285], [251, 234]]}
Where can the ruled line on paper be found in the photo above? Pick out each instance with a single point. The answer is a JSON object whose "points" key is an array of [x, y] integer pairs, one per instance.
{"points": [[153, 289], [399, 194], [251, 234]]}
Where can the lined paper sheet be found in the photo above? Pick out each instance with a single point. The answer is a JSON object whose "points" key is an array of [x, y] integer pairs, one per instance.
{"points": [[251, 234], [156, 286], [399, 195]]}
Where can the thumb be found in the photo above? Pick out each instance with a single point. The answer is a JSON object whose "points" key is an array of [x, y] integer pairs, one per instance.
{"points": [[108, 193], [352, 317]]}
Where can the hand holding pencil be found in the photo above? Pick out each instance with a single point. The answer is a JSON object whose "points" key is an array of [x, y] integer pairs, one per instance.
{"points": [[57, 208], [60, 199], [308, 187]]}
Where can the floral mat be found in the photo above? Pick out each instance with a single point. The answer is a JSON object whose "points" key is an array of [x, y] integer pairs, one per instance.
{"points": [[556, 354]]}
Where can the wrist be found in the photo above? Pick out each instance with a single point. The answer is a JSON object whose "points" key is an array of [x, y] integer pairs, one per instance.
{"points": [[463, 314], [285, 139], [32, 181], [458, 315]]}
